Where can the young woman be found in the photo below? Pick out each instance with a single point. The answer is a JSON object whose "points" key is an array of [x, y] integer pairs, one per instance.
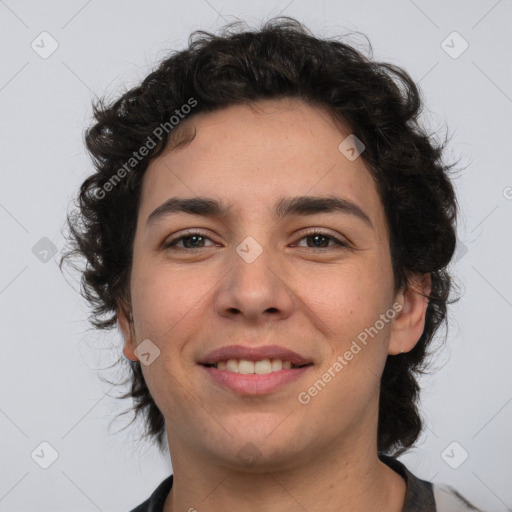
{"points": [[270, 227]]}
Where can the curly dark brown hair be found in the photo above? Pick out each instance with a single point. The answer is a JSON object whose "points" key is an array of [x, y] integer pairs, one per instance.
{"points": [[378, 101]]}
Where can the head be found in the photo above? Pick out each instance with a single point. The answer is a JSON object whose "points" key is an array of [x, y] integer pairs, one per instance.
{"points": [[250, 119]]}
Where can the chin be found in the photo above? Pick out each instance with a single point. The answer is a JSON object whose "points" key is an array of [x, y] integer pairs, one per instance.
{"points": [[258, 458]]}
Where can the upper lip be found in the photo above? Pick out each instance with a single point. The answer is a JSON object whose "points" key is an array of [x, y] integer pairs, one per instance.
{"points": [[253, 354]]}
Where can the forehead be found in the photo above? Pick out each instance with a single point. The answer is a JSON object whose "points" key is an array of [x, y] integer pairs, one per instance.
{"points": [[248, 156]]}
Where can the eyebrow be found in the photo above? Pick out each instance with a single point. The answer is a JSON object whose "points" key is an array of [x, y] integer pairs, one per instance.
{"points": [[285, 207]]}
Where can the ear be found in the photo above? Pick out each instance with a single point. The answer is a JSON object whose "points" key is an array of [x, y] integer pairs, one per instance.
{"points": [[125, 321], [408, 324]]}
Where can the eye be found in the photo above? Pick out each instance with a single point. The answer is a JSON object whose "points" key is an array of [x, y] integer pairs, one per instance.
{"points": [[191, 240], [320, 238], [195, 240]]}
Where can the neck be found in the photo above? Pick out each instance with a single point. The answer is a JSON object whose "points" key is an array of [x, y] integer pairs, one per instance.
{"points": [[336, 481]]}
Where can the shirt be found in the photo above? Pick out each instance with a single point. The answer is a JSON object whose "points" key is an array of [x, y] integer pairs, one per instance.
{"points": [[420, 496]]}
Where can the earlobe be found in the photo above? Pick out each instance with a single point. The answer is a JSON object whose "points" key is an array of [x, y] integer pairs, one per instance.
{"points": [[409, 323], [125, 322], [128, 353]]}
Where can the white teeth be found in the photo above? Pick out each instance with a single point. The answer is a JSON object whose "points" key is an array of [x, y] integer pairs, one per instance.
{"points": [[246, 367], [232, 365], [262, 367], [277, 365]]}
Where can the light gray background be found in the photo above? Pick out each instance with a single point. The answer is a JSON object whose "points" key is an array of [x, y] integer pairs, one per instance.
{"points": [[50, 390]]}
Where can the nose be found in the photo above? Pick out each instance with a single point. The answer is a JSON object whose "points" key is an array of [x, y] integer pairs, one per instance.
{"points": [[254, 290]]}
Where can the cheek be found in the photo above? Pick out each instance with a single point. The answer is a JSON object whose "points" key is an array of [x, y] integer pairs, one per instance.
{"points": [[348, 305], [167, 302], [154, 300], [348, 297]]}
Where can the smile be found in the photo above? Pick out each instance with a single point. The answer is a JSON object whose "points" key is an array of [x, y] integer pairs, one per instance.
{"points": [[261, 367]]}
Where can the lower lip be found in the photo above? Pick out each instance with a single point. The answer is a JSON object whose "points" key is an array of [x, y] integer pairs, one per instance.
{"points": [[253, 384]]}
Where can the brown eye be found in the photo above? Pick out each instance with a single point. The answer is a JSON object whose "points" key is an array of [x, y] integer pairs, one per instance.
{"points": [[321, 240], [191, 241]]}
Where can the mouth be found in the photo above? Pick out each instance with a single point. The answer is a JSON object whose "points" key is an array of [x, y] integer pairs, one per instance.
{"points": [[254, 371], [260, 367]]}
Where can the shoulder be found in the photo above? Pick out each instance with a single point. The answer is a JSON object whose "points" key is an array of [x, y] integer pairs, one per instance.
{"points": [[449, 499], [426, 496], [419, 496], [155, 503]]}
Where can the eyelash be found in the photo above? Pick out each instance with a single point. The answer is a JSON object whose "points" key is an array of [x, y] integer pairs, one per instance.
{"points": [[308, 234]]}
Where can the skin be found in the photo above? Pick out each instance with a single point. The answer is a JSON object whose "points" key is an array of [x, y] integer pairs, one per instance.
{"points": [[321, 456]]}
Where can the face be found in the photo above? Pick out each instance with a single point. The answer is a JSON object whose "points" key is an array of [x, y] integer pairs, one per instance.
{"points": [[298, 276]]}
